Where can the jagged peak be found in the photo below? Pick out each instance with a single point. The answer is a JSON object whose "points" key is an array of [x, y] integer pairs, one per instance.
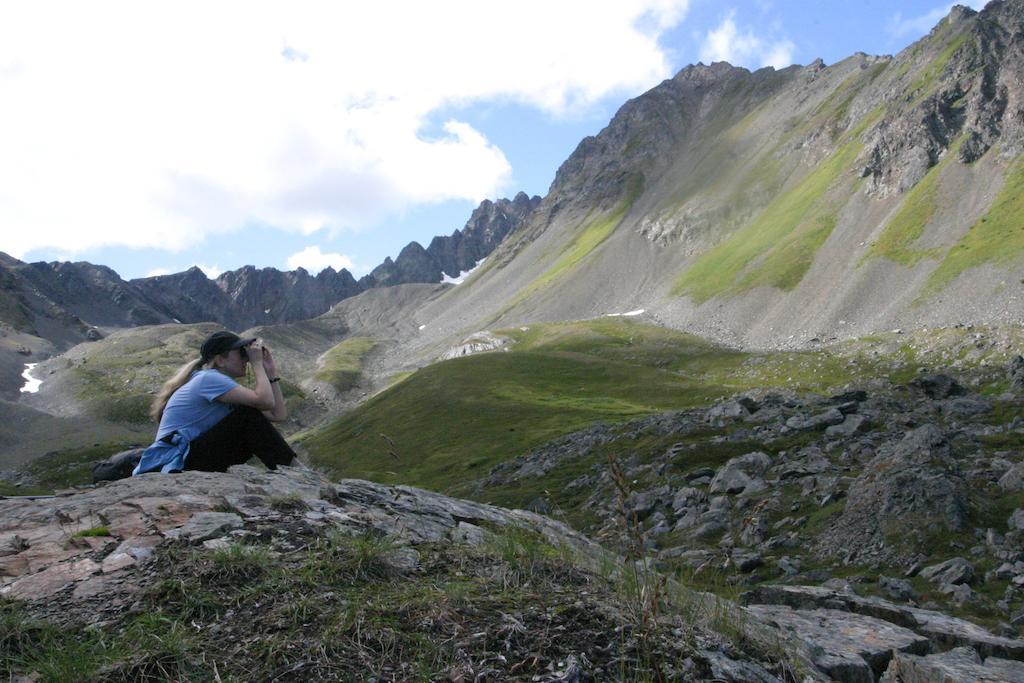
{"points": [[958, 13]]}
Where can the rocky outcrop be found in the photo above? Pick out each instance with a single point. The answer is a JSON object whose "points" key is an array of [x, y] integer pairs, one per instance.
{"points": [[960, 664], [267, 295], [51, 544], [757, 488], [971, 90], [459, 252], [910, 488], [103, 560], [94, 557]]}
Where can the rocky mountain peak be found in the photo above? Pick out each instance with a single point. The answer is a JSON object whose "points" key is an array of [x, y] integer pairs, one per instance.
{"points": [[459, 252]]}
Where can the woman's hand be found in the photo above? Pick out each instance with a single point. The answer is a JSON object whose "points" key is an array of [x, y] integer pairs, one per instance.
{"points": [[268, 363], [256, 353]]}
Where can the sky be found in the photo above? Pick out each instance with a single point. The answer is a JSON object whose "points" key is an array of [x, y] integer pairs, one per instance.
{"points": [[153, 137]]}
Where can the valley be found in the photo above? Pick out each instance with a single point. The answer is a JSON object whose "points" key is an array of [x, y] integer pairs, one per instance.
{"points": [[758, 347]]}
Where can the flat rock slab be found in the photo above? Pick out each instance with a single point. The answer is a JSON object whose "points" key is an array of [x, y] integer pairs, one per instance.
{"points": [[945, 632], [957, 665], [41, 554], [203, 526], [730, 670], [851, 648]]}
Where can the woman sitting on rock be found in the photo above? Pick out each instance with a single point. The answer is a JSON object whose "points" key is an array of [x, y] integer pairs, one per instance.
{"points": [[208, 421]]}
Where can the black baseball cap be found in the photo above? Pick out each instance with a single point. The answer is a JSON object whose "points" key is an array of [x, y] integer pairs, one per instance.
{"points": [[222, 342]]}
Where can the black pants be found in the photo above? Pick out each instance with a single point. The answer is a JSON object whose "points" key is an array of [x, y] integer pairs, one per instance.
{"points": [[245, 432]]}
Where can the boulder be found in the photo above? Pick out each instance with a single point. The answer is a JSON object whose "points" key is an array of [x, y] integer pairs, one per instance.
{"points": [[852, 424], [951, 572], [1013, 480], [955, 666], [968, 406], [731, 410], [141, 513], [832, 416], [746, 561], [642, 503], [937, 386], [742, 474], [943, 631], [1015, 373], [897, 589], [728, 670], [688, 497], [1016, 520], [203, 526], [848, 647]]}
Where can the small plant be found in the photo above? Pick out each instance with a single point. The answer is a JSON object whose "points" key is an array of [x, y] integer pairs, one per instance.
{"points": [[524, 552], [644, 586], [289, 502], [92, 531], [33, 645], [338, 557], [238, 563]]}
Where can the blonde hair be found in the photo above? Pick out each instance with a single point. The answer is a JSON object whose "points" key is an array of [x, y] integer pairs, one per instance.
{"points": [[156, 409]]}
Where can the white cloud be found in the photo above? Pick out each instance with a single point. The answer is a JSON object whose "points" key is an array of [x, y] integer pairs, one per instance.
{"points": [[922, 24], [742, 47], [211, 271], [145, 124], [158, 271], [779, 54], [313, 260]]}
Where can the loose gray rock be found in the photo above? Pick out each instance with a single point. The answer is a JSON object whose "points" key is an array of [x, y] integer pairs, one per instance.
{"points": [[897, 589], [852, 424], [1015, 373], [746, 561], [848, 647], [958, 665], [729, 670], [742, 474], [730, 410], [830, 417], [204, 526], [952, 572], [968, 407], [943, 631], [1013, 480], [1016, 520], [937, 386]]}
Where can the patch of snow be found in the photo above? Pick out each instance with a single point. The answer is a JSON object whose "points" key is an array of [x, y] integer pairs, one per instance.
{"points": [[449, 280], [31, 383], [629, 314], [422, 326]]}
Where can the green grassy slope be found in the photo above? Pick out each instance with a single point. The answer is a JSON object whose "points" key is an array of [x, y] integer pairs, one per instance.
{"points": [[998, 237], [778, 246], [452, 421], [342, 364]]}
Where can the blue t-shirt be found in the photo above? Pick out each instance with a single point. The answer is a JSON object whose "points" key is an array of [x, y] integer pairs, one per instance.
{"points": [[191, 410]]}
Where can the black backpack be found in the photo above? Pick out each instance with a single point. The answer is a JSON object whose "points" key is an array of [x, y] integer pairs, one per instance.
{"points": [[117, 466]]}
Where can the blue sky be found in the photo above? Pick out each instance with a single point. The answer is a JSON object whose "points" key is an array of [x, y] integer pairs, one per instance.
{"points": [[151, 140]]}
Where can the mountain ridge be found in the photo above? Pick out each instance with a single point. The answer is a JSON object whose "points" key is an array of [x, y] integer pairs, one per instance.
{"points": [[771, 208], [51, 306]]}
